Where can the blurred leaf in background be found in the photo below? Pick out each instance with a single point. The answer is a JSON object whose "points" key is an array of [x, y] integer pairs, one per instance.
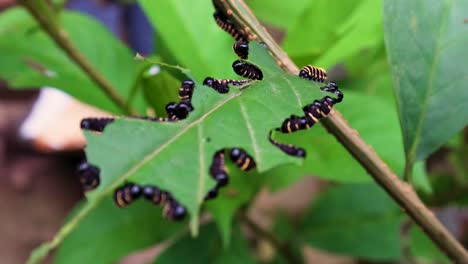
{"points": [[191, 37], [425, 42], [24, 46], [355, 220], [207, 248]]}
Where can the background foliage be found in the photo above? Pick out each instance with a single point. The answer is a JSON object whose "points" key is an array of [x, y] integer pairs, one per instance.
{"points": [[420, 62]]}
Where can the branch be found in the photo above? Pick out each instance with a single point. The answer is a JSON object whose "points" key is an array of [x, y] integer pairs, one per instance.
{"points": [[281, 247], [400, 191], [43, 14]]}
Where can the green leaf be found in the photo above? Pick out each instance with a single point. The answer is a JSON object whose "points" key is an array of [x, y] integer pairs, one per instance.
{"points": [[207, 248], [345, 28], [240, 191], [191, 35], [158, 87], [362, 30], [108, 233], [176, 156], [355, 220], [189, 145], [425, 40], [277, 12], [31, 59]]}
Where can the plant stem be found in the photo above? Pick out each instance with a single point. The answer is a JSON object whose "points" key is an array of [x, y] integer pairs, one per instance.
{"points": [[281, 247], [408, 169], [43, 14], [399, 190]]}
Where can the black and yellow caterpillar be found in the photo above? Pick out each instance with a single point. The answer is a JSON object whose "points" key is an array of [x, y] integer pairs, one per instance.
{"points": [[172, 209], [218, 172], [243, 160], [313, 112], [313, 73], [130, 192], [127, 194], [89, 176], [287, 148], [223, 22], [241, 48], [221, 86], [247, 70]]}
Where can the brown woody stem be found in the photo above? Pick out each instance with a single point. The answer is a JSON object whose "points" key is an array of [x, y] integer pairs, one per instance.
{"points": [[399, 190]]}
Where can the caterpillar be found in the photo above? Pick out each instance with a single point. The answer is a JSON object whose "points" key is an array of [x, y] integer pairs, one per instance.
{"points": [[96, 124], [247, 70], [243, 160], [313, 73], [287, 148], [219, 173], [223, 22], [294, 123], [186, 91], [218, 169], [212, 193], [221, 86], [241, 48], [332, 87], [178, 111], [155, 195], [127, 194], [89, 176], [99, 124], [314, 112], [172, 209]]}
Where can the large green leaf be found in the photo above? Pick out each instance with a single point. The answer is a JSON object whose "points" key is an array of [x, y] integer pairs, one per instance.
{"points": [[207, 248], [176, 156], [31, 59], [191, 35], [356, 220], [109, 233], [426, 43]]}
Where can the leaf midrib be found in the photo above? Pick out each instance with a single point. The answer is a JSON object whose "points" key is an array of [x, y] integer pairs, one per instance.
{"points": [[156, 151], [67, 228]]}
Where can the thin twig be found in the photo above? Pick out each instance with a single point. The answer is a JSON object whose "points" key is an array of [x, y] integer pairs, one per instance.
{"points": [[281, 247], [43, 14], [399, 190]]}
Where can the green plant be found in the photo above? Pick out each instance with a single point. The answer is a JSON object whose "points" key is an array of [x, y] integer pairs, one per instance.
{"points": [[325, 33]]}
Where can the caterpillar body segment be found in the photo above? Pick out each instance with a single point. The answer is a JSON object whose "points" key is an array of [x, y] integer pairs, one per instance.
{"points": [[89, 176], [127, 194], [289, 149], [313, 73], [247, 70], [242, 159], [241, 48], [225, 24], [221, 86]]}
